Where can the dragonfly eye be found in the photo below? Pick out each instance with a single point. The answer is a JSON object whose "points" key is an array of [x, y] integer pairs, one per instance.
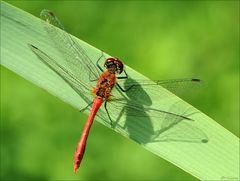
{"points": [[114, 63], [119, 65]]}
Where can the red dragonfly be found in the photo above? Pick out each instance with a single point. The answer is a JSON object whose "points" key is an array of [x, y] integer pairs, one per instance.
{"points": [[79, 72]]}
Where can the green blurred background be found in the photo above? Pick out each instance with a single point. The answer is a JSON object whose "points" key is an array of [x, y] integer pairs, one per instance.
{"points": [[162, 40]]}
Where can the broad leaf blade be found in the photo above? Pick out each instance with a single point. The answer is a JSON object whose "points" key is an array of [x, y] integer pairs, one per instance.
{"points": [[218, 159]]}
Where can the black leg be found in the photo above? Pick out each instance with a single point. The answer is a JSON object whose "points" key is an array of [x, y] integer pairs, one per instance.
{"points": [[125, 76], [100, 68], [98, 61], [105, 106], [81, 110], [125, 90]]}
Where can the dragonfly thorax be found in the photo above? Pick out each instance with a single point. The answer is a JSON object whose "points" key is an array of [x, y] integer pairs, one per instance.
{"points": [[105, 84], [114, 65]]}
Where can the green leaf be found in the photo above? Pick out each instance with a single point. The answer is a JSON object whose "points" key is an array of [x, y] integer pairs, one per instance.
{"points": [[201, 147]]}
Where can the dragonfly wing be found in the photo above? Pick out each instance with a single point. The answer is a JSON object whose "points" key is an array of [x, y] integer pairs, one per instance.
{"points": [[171, 84], [135, 89], [48, 16], [77, 59], [137, 121], [79, 87]]}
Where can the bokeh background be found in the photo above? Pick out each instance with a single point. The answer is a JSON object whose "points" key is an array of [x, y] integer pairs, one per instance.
{"points": [[162, 40]]}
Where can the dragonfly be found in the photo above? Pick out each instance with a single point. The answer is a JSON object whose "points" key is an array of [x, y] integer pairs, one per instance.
{"points": [[99, 86]]}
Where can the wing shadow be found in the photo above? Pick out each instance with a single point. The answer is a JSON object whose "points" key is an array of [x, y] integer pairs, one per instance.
{"points": [[170, 128]]}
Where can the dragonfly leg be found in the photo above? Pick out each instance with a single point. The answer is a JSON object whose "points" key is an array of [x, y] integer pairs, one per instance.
{"points": [[97, 63], [100, 68], [125, 76], [83, 109], [125, 90], [105, 106]]}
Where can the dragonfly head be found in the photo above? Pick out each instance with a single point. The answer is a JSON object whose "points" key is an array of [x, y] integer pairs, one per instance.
{"points": [[114, 65]]}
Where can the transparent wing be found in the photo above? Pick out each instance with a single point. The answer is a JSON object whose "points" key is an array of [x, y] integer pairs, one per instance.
{"points": [[77, 60], [79, 87], [168, 127], [136, 89], [180, 131], [134, 109], [172, 85]]}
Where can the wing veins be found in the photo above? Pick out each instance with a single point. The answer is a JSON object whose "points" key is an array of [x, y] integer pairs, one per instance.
{"points": [[69, 75]]}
